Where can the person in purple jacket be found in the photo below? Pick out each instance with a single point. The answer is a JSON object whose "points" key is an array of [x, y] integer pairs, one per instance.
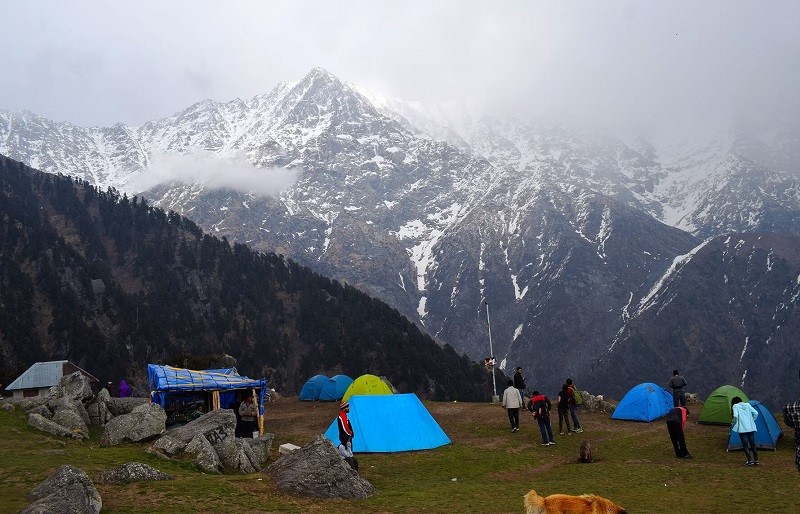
{"points": [[124, 389]]}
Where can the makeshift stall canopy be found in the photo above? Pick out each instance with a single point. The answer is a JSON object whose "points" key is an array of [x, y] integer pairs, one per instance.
{"points": [[167, 382]]}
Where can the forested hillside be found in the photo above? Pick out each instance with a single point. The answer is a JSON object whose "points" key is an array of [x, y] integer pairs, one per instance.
{"points": [[112, 284]]}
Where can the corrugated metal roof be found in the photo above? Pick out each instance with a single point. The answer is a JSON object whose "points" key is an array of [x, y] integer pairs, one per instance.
{"points": [[41, 374]]}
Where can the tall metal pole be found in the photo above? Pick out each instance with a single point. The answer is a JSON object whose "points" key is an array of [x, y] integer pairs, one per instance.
{"points": [[495, 398]]}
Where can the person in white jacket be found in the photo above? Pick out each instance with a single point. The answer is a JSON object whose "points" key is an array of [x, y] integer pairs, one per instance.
{"points": [[744, 422], [512, 401]]}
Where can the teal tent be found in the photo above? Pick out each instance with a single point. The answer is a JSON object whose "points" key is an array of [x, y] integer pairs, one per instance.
{"points": [[313, 387], [767, 430], [644, 402], [390, 423], [335, 387]]}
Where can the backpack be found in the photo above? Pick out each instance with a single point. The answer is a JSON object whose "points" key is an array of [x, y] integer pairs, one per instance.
{"points": [[577, 397]]}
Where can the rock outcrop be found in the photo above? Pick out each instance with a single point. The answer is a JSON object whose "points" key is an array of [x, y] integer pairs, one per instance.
{"points": [[144, 423], [68, 490], [317, 470], [131, 472]]}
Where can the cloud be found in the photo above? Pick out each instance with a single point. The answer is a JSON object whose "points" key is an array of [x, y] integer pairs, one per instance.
{"points": [[214, 172]]}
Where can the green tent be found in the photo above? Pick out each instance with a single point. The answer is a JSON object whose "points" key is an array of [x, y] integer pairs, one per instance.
{"points": [[717, 408], [367, 384]]}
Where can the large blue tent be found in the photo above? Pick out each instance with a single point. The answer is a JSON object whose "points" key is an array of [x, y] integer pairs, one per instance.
{"points": [[312, 388], [767, 430], [390, 423], [335, 388], [168, 384], [644, 402]]}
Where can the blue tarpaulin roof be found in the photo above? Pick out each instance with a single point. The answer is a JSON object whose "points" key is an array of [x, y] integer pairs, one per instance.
{"points": [[166, 380], [390, 423]]}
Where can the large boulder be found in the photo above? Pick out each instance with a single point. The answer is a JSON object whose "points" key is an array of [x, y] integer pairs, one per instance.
{"points": [[167, 446], [237, 456], [74, 386], [131, 472], [216, 426], [70, 414], [317, 470], [68, 490], [28, 404], [120, 406], [205, 456], [42, 410], [261, 447], [45, 425], [145, 422]]}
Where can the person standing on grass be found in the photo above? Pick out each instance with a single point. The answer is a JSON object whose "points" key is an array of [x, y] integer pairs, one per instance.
{"points": [[676, 421], [677, 383], [248, 411], [519, 381], [791, 416], [512, 401], [541, 406], [573, 407], [563, 410], [744, 423]]}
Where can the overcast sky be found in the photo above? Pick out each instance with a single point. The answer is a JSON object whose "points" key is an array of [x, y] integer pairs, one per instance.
{"points": [[624, 62]]}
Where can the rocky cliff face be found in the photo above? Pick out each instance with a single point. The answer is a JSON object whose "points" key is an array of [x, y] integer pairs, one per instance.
{"points": [[560, 232]]}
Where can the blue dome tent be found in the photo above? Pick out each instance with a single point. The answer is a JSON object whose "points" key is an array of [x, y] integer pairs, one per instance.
{"points": [[644, 402], [767, 430], [390, 423], [313, 387], [335, 387]]}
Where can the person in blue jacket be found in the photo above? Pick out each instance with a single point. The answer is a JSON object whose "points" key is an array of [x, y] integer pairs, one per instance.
{"points": [[744, 423]]}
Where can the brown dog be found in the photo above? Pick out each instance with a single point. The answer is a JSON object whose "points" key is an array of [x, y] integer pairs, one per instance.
{"points": [[567, 504], [585, 453]]}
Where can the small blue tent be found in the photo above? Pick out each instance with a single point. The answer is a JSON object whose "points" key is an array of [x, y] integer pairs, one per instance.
{"points": [[168, 385], [313, 387], [644, 402], [335, 387], [390, 423], [767, 430]]}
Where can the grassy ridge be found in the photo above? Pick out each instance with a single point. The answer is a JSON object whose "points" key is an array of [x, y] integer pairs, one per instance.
{"points": [[493, 468]]}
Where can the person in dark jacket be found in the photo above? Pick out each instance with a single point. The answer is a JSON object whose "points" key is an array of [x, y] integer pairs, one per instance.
{"points": [[676, 421], [519, 381], [677, 383], [541, 413], [573, 407], [563, 410], [346, 435], [791, 416]]}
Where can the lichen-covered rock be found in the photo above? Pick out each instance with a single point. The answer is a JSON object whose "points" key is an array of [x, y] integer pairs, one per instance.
{"points": [[317, 470], [70, 414], [168, 446], [261, 447], [237, 456], [205, 456], [145, 422], [120, 406], [68, 490], [131, 472], [42, 410], [216, 426], [39, 422], [74, 386]]}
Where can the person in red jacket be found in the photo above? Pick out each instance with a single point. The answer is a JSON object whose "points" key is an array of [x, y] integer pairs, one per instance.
{"points": [[346, 435], [676, 421], [540, 406]]}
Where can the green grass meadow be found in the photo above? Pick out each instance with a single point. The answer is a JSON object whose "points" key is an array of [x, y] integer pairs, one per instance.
{"points": [[486, 469]]}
